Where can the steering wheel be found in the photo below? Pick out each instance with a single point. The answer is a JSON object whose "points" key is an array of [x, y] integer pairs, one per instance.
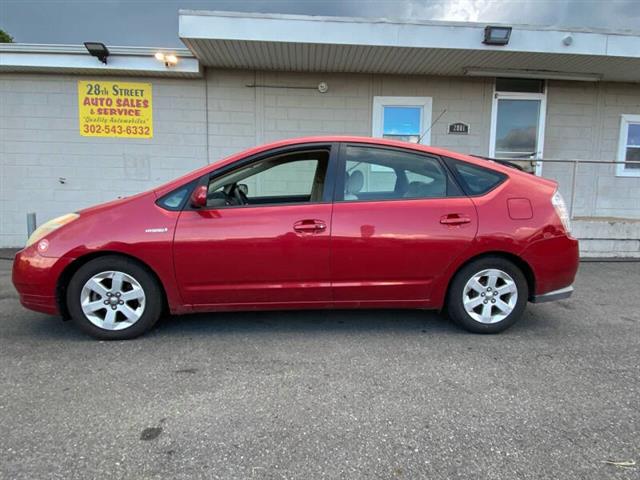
{"points": [[238, 195]]}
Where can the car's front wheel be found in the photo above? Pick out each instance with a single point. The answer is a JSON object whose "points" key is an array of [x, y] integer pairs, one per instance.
{"points": [[114, 298], [488, 295]]}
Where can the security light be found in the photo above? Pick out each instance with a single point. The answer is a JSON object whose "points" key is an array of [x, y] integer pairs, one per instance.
{"points": [[494, 35], [97, 49], [169, 59]]}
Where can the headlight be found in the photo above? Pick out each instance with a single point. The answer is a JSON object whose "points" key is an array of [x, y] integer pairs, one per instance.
{"points": [[562, 211], [50, 226]]}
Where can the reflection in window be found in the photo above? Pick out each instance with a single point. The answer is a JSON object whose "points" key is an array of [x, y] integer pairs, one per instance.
{"points": [[632, 146], [402, 123], [373, 174], [517, 128], [286, 178]]}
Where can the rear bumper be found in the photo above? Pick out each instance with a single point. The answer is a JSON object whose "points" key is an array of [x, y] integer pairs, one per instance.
{"points": [[559, 294], [554, 263]]}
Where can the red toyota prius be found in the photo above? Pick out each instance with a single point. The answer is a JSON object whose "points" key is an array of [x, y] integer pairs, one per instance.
{"points": [[319, 222]]}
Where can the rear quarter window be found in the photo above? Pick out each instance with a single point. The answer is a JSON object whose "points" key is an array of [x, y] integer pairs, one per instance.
{"points": [[475, 180]]}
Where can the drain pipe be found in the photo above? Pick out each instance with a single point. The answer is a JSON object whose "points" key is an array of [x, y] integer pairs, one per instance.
{"points": [[31, 223]]}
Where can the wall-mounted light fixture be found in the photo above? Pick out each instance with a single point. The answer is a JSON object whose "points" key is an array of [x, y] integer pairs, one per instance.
{"points": [[496, 35], [97, 49], [169, 59], [537, 74]]}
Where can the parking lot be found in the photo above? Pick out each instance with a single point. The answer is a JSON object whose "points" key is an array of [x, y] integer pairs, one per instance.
{"points": [[345, 394]]}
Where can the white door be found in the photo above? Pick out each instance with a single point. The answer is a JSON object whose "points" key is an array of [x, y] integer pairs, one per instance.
{"points": [[517, 126]]}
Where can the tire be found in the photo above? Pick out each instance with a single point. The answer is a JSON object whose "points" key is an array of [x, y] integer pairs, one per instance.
{"points": [[104, 311], [468, 301]]}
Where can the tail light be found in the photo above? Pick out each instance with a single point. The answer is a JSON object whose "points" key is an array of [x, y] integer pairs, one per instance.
{"points": [[562, 211]]}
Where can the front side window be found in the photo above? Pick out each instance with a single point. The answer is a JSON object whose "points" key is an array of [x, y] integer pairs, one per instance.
{"points": [[629, 146], [402, 118], [380, 174], [280, 179]]}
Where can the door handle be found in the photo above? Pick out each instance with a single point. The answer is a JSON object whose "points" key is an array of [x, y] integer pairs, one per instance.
{"points": [[310, 226], [455, 219]]}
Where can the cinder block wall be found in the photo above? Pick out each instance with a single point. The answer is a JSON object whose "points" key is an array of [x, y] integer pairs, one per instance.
{"points": [[241, 116], [40, 143], [583, 122], [207, 119]]}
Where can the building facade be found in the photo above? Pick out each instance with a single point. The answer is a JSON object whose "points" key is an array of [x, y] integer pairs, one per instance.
{"points": [[547, 99]]}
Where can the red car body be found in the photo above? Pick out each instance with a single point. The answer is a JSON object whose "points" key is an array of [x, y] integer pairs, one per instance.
{"points": [[397, 254]]}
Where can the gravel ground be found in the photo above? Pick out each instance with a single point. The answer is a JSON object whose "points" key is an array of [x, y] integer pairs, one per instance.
{"points": [[345, 394]]}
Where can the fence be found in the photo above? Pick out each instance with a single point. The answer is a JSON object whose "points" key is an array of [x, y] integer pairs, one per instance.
{"points": [[592, 188]]}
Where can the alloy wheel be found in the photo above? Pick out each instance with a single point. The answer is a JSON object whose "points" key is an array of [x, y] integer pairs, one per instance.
{"points": [[112, 300], [490, 296]]}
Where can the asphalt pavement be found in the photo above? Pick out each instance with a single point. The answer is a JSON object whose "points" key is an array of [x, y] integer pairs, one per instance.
{"points": [[345, 394]]}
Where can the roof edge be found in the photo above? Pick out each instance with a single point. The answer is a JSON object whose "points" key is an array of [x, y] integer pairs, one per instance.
{"points": [[80, 49], [403, 21]]}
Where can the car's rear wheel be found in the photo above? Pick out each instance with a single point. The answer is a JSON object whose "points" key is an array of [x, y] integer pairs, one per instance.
{"points": [[487, 295], [114, 298]]}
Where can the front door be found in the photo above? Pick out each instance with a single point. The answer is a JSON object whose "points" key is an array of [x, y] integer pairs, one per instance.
{"points": [[263, 238], [517, 128], [398, 222]]}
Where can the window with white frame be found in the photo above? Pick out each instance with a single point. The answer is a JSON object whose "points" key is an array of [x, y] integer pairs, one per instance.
{"points": [[402, 118], [629, 146]]}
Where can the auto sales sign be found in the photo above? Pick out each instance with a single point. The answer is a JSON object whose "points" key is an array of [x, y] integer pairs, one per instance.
{"points": [[115, 109]]}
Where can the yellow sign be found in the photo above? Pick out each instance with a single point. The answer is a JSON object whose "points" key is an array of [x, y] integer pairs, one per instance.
{"points": [[115, 109]]}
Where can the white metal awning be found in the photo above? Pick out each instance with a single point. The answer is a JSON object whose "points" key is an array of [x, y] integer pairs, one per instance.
{"points": [[74, 59], [337, 44]]}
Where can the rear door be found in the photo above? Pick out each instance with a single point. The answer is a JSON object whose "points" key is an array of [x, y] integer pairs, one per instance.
{"points": [[398, 221], [264, 237]]}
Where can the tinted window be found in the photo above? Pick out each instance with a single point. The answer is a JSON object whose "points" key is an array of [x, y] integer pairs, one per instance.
{"points": [[286, 178], [517, 125], [528, 85], [381, 174], [475, 180]]}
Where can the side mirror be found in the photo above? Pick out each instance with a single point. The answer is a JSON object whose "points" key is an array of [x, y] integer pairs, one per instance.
{"points": [[199, 197]]}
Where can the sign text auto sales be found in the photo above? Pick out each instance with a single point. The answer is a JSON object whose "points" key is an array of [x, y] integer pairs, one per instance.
{"points": [[115, 109]]}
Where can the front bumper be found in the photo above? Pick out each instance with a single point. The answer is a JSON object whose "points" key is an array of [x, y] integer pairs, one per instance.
{"points": [[559, 294], [35, 278]]}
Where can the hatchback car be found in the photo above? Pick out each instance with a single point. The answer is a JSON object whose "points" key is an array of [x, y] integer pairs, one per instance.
{"points": [[313, 223]]}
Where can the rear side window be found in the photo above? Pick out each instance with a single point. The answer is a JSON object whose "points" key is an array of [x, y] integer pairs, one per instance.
{"points": [[475, 180], [373, 174]]}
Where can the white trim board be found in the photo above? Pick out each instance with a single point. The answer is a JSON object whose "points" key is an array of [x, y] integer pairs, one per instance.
{"points": [[623, 135]]}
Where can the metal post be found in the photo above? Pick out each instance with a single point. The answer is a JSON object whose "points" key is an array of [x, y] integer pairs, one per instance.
{"points": [[31, 223], [573, 188]]}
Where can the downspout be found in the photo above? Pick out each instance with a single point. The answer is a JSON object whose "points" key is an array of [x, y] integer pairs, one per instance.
{"points": [[206, 114]]}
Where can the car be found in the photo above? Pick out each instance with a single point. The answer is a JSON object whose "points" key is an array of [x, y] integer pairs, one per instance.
{"points": [[311, 223]]}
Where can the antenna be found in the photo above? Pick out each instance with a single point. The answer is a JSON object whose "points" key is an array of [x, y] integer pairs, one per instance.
{"points": [[432, 124]]}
